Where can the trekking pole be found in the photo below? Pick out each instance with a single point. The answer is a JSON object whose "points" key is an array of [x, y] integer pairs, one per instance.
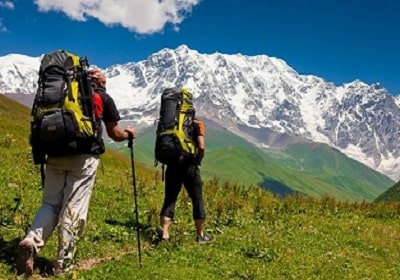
{"points": [[130, 145]]}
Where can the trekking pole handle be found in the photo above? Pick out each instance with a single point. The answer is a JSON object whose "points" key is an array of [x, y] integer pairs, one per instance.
{"points": [[130, 138]]}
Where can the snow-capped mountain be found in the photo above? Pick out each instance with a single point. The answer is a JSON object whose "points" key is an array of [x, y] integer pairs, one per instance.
{"points": [[250, 94], [18, 73]]}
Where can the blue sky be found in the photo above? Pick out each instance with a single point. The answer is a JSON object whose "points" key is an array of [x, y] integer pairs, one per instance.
{"points": [[338, 40]]}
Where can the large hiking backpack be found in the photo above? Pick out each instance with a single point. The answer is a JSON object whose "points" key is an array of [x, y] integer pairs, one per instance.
{"points": [[63, 118], [174, 135]]}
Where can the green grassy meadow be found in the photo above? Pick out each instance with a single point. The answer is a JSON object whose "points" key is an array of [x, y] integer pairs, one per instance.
{"points": [[312, 169], [257, 235]]}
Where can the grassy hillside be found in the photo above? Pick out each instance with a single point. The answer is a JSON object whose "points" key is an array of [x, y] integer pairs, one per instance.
{"points": [[391, 195], [258, 236], [313, 169], [329, 165]]}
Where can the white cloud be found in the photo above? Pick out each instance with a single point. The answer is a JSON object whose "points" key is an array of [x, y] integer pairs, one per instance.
{"points": [[3, 28], [141, 16], [7, 5]]}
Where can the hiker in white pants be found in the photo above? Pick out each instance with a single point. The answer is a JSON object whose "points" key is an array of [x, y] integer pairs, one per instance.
{"points": [[66, 196], [68, 186]]}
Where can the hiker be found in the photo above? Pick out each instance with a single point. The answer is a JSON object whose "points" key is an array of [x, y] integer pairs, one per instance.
{"points": [[185, 172], [68, 186]]}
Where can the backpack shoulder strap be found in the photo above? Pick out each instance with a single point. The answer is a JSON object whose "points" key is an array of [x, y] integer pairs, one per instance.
{"points": [[98, 105]]}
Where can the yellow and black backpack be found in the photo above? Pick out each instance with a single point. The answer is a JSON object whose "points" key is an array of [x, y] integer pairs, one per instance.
{"points": [[63, 117], [174, 135]]}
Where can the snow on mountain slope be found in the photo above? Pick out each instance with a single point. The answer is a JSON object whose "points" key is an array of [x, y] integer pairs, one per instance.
{"points": [[257, 92], [18, 73]]}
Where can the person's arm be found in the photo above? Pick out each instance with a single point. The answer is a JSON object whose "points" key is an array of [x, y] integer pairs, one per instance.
{"points": [[117, 134], [201, 147], [200, 140]]}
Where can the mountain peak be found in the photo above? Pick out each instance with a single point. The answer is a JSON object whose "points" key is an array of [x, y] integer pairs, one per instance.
{"points": [[182, 48], [19, 59], [250, 95]]}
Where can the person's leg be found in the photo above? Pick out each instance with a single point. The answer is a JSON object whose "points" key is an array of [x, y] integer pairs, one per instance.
{"points": [[77, 193], [173, 185], [199, 224], [194, 187], [165, 222], [45, 219]]}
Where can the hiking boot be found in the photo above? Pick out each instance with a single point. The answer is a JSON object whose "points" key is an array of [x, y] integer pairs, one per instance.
{"points": [[60, 269], [26, 254], [204, 239], [160, 236]]}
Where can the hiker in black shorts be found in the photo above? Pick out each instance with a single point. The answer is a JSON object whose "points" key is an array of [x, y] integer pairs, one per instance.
{"points": [[186, 173]]}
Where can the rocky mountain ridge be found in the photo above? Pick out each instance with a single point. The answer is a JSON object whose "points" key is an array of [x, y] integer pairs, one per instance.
{"points": [[259, 97]]}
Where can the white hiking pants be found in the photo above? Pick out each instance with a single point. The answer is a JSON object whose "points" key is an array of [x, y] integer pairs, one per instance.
{"points": [[67, 191]]}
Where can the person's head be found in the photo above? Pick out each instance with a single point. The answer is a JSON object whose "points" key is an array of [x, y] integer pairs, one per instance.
{"points": [[98, 78]]}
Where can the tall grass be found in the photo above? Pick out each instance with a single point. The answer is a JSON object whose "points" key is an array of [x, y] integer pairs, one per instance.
{"points": [[257, 235]]}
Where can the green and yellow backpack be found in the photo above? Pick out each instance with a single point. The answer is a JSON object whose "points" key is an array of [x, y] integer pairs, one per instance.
{"points": [[63, 121], [174, 135]]}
